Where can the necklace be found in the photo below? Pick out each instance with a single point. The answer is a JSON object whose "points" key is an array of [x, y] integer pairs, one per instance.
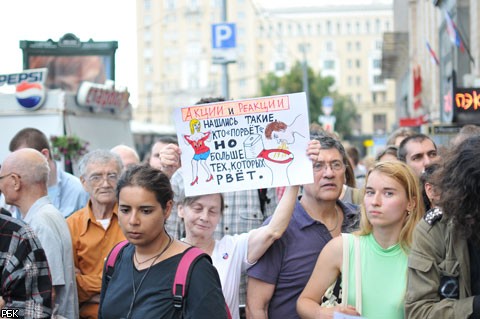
{"points": [[153, 257], [137, 289], [336, 220]]}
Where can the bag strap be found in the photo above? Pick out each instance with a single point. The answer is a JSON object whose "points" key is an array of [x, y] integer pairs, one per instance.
{"points": [[345, 266], [182, 277], [112, 258], [358, 275], [190, 256]]}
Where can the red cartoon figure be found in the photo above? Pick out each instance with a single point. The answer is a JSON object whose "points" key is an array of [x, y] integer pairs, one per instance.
{"points": [[202, 151]]}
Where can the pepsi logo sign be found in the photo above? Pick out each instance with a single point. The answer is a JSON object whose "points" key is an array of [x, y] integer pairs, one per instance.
{"points": [[30, 95]]}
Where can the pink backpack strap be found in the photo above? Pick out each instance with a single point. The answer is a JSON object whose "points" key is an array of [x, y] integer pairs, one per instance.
{"points": [[182, 275], [112, 258], [190, 256]]}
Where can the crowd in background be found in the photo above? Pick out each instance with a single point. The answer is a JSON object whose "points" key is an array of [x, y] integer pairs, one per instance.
{"points": [[399, 233]]}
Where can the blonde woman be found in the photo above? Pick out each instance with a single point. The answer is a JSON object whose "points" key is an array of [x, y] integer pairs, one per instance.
{"points": [[392, 207], [202, 151]]}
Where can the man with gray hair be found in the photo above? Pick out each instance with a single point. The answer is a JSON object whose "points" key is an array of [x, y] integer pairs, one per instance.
{"points": [[94, 228], [24, 184]]}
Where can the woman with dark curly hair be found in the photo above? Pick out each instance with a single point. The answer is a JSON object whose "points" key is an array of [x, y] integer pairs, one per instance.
{"points": [[444, 263]]}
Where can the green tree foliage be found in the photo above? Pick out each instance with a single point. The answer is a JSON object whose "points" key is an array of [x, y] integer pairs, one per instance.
{"points": [[318, 87]]}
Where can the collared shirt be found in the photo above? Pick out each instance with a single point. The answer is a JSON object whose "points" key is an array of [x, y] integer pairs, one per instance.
{"points": [[52, 230], [25, 277], [289, 262], [91, 245]]}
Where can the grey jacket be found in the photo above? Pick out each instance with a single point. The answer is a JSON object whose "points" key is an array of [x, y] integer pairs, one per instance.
{"points": [[437, 251]]}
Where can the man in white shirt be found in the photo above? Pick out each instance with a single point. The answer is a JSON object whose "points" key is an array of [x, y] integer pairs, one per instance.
{"points": [[23, 181]]}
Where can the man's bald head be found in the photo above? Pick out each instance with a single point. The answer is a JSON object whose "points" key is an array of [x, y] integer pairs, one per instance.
{"points": [[127, 154], [28, 163]]}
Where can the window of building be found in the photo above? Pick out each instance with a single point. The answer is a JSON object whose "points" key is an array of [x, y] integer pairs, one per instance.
{"points": [[242, 83], [241, 15], [379, 123], [329, 27], [357, 124], [279, 29], [387, 25], [147, 20], [339, 28], [349, 46], [328, 64], [349, 63], [260, 30], [147, 5], [319, 29], [349, 28], [359, 80], [377, 25], [359, 98], [260, 48], [374, 97], [357, 63], [147, 53], [357, 27], [349, 80], [193, 4], [260, 66], [367, 26], [358, 46], [147, 36], [169, 4], [279, 66], [377, 79], [290, 31], [379, 45], [329, 46], [148, 70], [377, 63]]}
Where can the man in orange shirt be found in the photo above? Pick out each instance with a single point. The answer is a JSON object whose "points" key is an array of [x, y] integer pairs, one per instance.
{"points": [[94, 228]]}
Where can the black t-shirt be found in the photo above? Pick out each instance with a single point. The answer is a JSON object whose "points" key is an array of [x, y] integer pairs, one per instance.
{"points": [[154, 299]]}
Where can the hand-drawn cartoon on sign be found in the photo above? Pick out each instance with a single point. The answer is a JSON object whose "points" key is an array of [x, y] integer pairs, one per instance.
{"points": [[201, 151], [245, 144]]}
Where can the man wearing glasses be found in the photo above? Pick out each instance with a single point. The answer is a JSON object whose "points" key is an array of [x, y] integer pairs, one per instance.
{"points": [[277, 279], [23, 181], [94, 228]]}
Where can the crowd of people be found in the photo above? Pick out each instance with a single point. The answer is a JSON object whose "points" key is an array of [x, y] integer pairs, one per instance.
{"points": [[397, 238]]}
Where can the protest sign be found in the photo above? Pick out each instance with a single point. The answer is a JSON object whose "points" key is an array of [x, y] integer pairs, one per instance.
{"points": [[244, 144]]}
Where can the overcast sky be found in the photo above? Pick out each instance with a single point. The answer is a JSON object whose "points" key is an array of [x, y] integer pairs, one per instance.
{"points": [[99, 20]]}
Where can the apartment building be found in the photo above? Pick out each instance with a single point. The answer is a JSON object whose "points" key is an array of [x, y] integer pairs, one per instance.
{"points": [[343, 40]]}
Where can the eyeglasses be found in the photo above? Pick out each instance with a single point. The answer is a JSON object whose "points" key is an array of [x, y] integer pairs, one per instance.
{"points": [[334, 166], [98, 178], [6, 175]]}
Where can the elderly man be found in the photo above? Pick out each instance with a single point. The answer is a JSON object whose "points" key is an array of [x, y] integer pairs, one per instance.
{"points": [[277, 279], [24, 183], [94, 228], [127, 154]]}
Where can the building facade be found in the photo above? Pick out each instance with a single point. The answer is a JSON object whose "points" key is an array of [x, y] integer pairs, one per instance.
{"points": [[427, 64], [340, 40]]}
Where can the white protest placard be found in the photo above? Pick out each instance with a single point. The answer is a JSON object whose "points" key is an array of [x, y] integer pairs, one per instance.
{"points": [[244, 144]]}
